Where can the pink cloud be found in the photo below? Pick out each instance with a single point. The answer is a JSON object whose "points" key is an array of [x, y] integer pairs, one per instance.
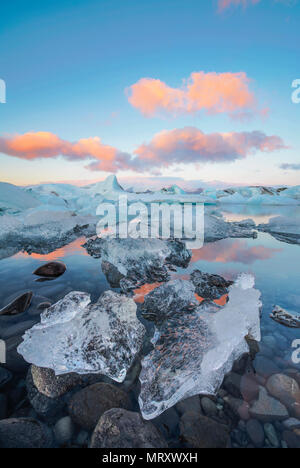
{"points": [[213, 93], [43, 145], [191, 145], [224, 4], [188, 145]]}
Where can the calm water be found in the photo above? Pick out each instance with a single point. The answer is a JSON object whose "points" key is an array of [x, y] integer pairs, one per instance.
{"points": [[274, 264]]}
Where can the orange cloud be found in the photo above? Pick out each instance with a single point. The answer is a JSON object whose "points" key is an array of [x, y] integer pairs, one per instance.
{"points": [[224, 4], [191, 145], [213, 93], [37, 145]]}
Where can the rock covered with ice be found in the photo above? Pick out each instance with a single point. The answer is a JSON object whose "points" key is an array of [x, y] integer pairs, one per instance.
{"points": [[210, 286], [77, 336], [283, 228], [138, 261], [193, 350]]}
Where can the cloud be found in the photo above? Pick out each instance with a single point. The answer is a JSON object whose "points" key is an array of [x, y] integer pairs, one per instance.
{"points": [[167, 148], [213, 93], [191, 145], [224, 4], [292, 167], [44, 145]]}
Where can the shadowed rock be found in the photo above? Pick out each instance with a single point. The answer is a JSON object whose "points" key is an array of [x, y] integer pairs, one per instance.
{"points": [[198, 431], [24, 433], [87, 406], [18, 305]]}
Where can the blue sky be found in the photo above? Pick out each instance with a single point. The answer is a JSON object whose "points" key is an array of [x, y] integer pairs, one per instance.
{"points": [[67, 65]]}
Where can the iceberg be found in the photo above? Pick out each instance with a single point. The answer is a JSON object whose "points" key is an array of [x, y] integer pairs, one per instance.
{"points": [[42, 231], [283, 228], [77, 336], [255, 195], [194, 349], [14, 200]]}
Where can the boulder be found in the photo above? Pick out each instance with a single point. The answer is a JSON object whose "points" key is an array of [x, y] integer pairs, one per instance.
{"points": [[18, 305], [24, 433], [198, 431], [64, 430], [87, 406], [268, 409], [119, 428], [52, 385], [284, 389]]}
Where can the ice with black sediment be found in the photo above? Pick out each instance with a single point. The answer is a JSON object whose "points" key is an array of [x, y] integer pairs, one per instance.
{"points": [[194, 349]]}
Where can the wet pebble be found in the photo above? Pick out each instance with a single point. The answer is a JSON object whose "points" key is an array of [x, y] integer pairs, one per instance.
{"points": [[255, 432], [51, 269], [209, 407], [271, 435], [64, 430]]}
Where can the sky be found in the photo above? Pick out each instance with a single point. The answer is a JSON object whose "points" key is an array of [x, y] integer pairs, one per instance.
{"points": [[197, 93]]}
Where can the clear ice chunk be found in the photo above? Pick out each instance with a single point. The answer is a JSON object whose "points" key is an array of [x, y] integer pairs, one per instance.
{"points": [[77, 336]]}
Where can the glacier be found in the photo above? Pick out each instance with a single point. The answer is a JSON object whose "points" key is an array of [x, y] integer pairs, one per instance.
{"points": [[194, 349], [77, 336]]}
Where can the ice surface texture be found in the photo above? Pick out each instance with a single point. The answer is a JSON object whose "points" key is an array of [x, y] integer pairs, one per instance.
{"points": [[193, 350], [77, 336], [283, 228], [139, 261]]}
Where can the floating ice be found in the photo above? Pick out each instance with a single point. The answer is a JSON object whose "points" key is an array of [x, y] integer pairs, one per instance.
{"points": [[283, 228], [193, 350], [255, 195], [77, 336], [139, 261]]}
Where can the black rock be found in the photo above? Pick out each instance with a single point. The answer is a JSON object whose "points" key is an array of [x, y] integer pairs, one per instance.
{"points": [[51, 269], [3, 406], [24, 433], [18, 305], [5, 377]]}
